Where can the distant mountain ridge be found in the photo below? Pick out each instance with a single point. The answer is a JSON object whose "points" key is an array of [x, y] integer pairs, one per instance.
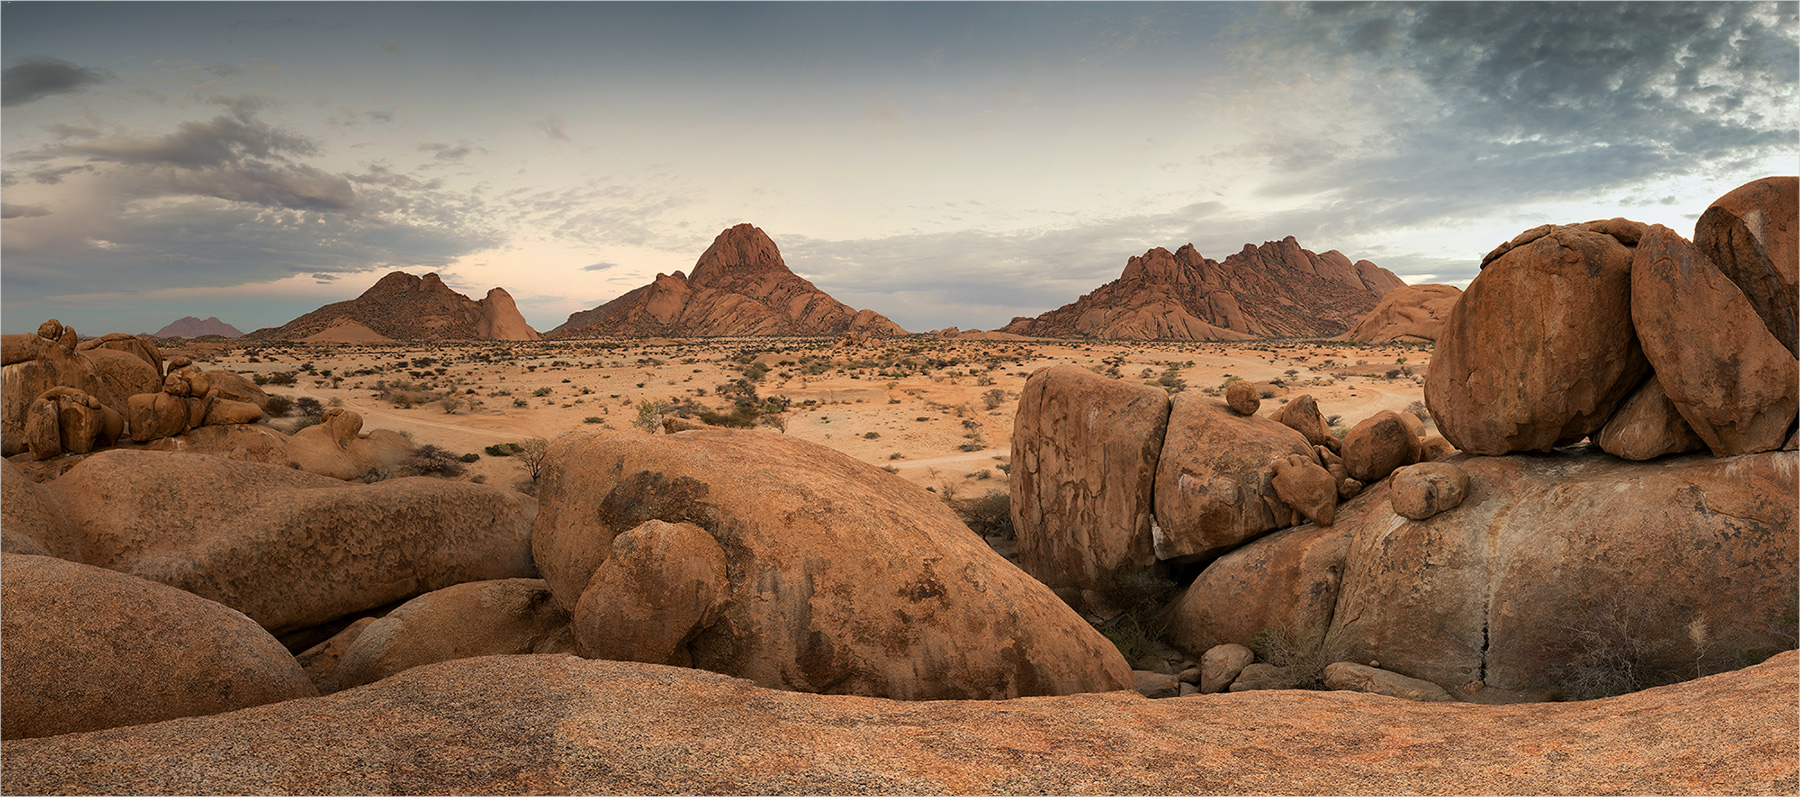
{"points": [[191, 327], [1275, 290], [740, 287], [401, 306]]}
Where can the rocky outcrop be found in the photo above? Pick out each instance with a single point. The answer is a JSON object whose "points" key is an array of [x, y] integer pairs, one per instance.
{"points": [[662, 585], [88, 648], [740, 287], [557, 724], [1275, 290], [1726, 372], [333, 447], [1084, 454], [1427, 489], [1409, 313], [477, 618], [290, 549], [401, 306], [843, 578], [1752, 235], [1285, 582], [191, 327], [1540, 349], [36, 363], [1214, 481]]}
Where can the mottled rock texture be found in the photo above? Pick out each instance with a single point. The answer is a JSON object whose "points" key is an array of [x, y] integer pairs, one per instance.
{"points": [[1084, 453], [1214, 484], [558, 725]]}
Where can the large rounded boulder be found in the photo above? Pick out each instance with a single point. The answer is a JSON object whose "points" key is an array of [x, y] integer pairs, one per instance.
{"points": [[1540, 349], [1215, 482], [477, 618], [1084, 452], [288, 548], [1728, 375], [841, 578], [88, 648], [1752, 234]]}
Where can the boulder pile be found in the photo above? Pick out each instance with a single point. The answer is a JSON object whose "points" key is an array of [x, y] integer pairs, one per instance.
{"points": [[1544, 568]]}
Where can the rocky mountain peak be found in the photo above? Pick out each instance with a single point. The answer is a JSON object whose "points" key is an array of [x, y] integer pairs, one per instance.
{"points": [[738, 249]]}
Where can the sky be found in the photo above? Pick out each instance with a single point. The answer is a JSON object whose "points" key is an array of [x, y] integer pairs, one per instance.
{"points": [[945, 164]]}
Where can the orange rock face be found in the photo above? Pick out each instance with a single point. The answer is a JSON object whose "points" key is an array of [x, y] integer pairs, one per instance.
{"points": [[1084, 453], [1751, 235], [1407, 313], [562, 725], [843, 578], [1214, 483], [401, 306], [1727, 374], [1275, 290], [1540, 349], [740, 286], [88, 648]]}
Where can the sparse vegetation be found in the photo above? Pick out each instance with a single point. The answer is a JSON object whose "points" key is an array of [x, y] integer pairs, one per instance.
{"points": [[1300, 656]]}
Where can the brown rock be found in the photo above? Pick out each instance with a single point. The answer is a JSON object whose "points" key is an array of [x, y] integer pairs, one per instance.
{"points": [[1648, 426], [88, 648], [1220, 665], [35, 364], [316, 449], [546, 724], [843, 578], [1378, 445], [740, 286], [65, 420], [1155, 685], [1256, 677], [675, 423], [162, 414], [1301, 483], [1540, 349], [192, 327], [1084, 453], [1407, 313], [290, 549], [1428, 488], [1349, 488], [226, 384], [320, 662], [1275, 290], [1242, 397], [29, 523], [1285, 582], [1214, 488], [1687, 557], [663, 585], [1434, 448], [1750, 235], [1733, 381], [1414, 424], [1301, 414], [478, 618], [401, 306], [140, 346], [1350, 676]]}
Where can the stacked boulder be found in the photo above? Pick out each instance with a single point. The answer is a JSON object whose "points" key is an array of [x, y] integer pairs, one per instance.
{"points": [[1549, 568]]}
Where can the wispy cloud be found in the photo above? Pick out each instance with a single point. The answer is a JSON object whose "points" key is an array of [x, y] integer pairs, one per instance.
{"points": [[36, 78]]}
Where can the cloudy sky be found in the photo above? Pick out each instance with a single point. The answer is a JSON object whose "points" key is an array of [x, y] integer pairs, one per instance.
{"points": [[944, 164]]}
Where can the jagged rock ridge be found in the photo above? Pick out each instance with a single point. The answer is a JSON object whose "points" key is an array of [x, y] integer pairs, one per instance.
{"points": [[403, 307], [191, 327], [740, 286], [1274, 290]]}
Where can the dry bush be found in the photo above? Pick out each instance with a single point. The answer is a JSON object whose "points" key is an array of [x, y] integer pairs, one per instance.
{"points": [[1300, 657]]}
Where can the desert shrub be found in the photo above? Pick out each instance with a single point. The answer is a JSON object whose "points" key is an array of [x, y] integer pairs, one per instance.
{"points": [[279, 405], [871, 435], [282, 378], [779, 421], [450, 404], [1300, 658], [1419, 411], [259, 379], [990, 515], [531, 452], [1139, 594], [993, 398], [540, 392], [649, 415], [521, 403], [502, 449], [469, 457], [1267, 392], [591, 419], [428, 460]]}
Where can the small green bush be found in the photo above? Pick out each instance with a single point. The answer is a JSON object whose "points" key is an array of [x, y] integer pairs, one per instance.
{"points": [[502, 449], [591, 419]]}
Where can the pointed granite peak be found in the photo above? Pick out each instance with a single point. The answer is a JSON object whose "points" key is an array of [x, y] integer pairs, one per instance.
{"points": [[741, 248]]}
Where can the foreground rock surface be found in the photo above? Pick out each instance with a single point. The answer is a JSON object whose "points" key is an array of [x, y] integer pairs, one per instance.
{"points": [[290, 549], [842, 578], [556, 724], [88, 648], [1084, 449]]}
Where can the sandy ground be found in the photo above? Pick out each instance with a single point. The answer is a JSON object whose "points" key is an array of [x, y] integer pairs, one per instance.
{"points": [[918, 404]]}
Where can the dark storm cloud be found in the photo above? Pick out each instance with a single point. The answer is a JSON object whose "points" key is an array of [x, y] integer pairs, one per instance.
{"points": [[22, 211], [222, 141], [1535, 98], [36, 78]]}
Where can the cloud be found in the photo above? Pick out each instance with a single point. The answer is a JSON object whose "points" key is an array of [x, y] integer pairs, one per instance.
{"points": [[446, 152], [552, 128], [51, 175], [393, 48], [22, 211], [601, 266], [36, 78], [222, 141]]}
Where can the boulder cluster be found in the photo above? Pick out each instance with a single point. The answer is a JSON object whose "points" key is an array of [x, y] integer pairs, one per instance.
{"points": [[1552, 542]]}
